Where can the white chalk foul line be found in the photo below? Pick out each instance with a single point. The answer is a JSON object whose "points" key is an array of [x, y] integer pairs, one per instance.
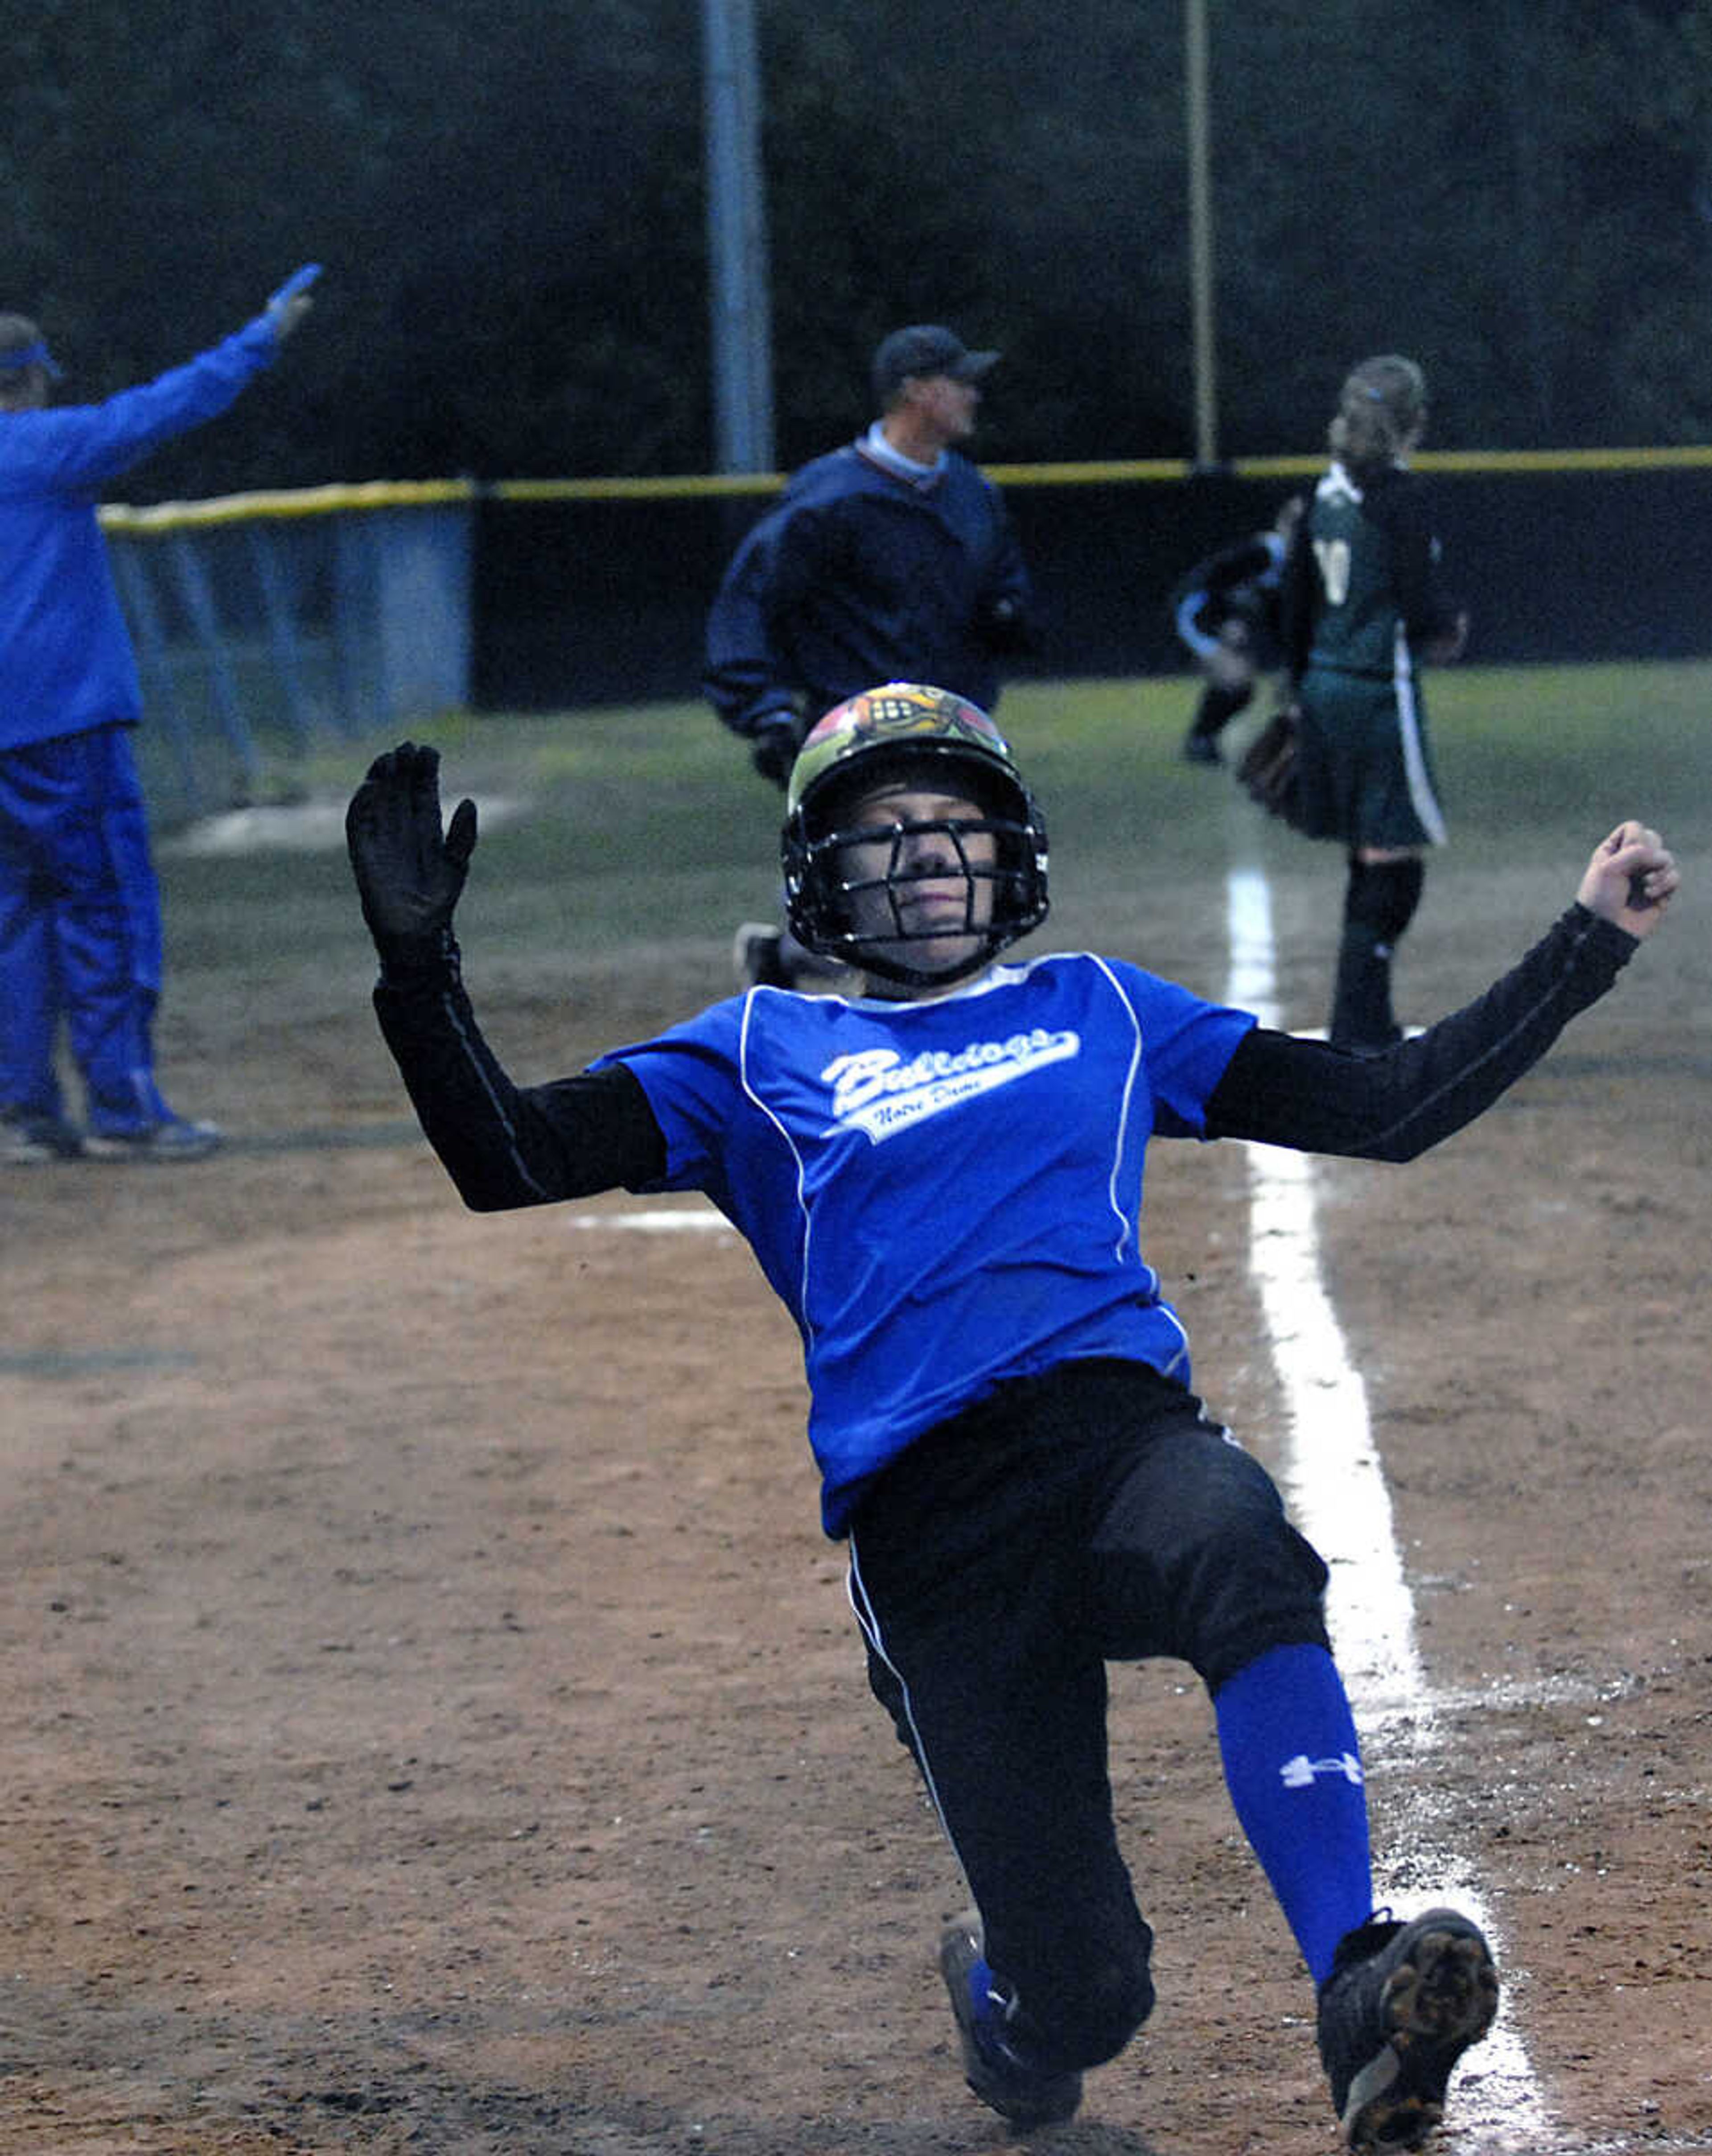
{"points": [[658, 1220], [1335, 1483]]}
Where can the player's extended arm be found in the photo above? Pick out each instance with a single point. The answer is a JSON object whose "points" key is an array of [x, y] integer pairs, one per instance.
{"points": [[502, 1144], [1301, 1093], [84, 445], [288, 306]]}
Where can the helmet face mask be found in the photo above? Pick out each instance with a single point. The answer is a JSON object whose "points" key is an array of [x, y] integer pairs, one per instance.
{"points": [[852, 888]]}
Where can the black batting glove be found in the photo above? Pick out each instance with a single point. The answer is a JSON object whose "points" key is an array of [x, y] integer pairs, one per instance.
{"points": [[409, 873]]}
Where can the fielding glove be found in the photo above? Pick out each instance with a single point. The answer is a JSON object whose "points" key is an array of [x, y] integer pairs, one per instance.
{"points": [[409, 873]]}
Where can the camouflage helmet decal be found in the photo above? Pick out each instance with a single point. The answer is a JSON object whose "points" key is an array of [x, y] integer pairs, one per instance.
{"points": [[899, 714]]}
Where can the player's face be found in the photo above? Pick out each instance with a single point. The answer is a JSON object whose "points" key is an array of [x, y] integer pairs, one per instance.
{"points": [[914, 896]]}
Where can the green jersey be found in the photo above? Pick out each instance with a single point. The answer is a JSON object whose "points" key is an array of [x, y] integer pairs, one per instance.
{"points": [[1362, 586]]}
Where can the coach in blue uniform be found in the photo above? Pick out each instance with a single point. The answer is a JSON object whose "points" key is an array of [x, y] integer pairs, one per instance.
{"points": [[893, 556], [80, 905], [941, 1177]]}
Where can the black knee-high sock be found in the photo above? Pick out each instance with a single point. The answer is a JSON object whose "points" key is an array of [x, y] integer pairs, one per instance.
{"points": [[1379, 903], [1216, 708]]}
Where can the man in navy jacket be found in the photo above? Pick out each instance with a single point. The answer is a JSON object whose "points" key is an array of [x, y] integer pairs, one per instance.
{"points": [[892, 557], [79, 906]]}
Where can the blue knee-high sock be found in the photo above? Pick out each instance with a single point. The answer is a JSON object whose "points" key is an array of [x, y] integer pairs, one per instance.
{"points": [[1294, 1771]]}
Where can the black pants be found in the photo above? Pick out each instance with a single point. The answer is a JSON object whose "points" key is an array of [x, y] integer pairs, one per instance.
{"points": [[1216, 706], [1091, 1514]]}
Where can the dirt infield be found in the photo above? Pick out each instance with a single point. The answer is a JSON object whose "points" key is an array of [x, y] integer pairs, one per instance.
{"points": [[435, 1722]]}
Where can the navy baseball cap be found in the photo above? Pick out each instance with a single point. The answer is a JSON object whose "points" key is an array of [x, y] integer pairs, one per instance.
{"points": [[924, 348]]}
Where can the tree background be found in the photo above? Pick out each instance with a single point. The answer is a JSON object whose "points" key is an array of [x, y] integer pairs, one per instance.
{"points": [[509, 203]]}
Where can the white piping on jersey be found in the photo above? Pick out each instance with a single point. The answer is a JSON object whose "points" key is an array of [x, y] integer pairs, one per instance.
{"points": [[1421, 798], [1125, 1225], [807, 1219]]}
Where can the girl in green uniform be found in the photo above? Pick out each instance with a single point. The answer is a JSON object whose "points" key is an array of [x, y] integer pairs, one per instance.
{"points": [[1362, 605]]}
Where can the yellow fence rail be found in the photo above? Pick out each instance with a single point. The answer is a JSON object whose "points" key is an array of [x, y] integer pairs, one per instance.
{"points": [[683, 486]]}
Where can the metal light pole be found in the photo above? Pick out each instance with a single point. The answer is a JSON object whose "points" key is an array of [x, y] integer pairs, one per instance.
{"points": [[741, 313], [1195, 76]]}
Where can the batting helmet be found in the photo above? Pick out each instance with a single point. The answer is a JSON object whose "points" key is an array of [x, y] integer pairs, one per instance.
{"points": [[910, 732]]}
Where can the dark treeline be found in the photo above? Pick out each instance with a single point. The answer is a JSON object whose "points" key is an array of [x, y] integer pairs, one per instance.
{"points": [[510, 203]]}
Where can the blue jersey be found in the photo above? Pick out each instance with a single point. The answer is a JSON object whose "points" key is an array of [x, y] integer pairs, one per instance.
{"points": [[945, 1193]]}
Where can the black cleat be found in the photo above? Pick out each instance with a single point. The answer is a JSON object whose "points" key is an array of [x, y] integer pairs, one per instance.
{"points": [[1402, 2004], [1022, 2094]]}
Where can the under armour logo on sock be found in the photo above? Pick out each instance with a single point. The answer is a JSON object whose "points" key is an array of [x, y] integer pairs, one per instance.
{"points": [[1299, 1773]]}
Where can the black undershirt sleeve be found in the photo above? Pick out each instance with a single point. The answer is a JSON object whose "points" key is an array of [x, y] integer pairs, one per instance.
{"points": [[1286, 1091], [506, 1145]]}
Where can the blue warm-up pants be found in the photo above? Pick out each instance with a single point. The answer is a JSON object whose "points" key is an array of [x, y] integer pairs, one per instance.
{"points": [[79, 929]]}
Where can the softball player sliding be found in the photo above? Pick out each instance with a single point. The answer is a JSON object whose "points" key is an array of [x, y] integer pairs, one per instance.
{"points": [[941, 1177]]}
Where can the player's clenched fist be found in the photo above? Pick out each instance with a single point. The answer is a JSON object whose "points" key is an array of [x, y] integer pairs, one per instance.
{"points": [[409, 871], [1631, 879]]}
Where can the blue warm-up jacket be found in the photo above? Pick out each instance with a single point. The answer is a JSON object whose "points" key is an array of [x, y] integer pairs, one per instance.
{"points": [[66, 664]]}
